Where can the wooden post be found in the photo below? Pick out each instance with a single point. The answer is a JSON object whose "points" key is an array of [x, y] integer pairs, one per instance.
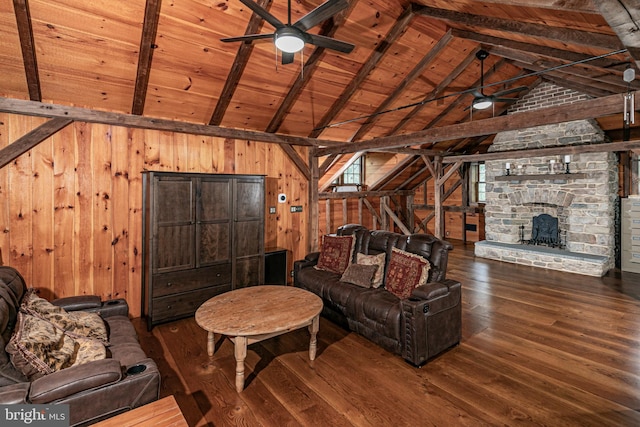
{"points": [[345, 213], [439, 218], [410, 216], [312, 218], [465, 198], [360, 210]]}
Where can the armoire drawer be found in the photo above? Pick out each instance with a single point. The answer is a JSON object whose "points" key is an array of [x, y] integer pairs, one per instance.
{"points": [[185, 304], [189, 280]]}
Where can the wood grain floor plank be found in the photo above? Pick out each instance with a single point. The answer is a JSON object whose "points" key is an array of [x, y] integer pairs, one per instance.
{"points": [[539, 347]]}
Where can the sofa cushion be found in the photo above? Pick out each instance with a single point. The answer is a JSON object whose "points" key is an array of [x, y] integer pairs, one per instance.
{"points": [[359, 274], [335, 253], [406, 271], [374, 260]]}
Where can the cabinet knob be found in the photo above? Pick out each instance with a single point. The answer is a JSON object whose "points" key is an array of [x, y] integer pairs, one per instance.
{"points": [[169, 284], [218, 275], [169, 307]]}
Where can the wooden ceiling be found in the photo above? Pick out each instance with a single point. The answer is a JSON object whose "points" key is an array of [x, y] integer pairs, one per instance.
{"points": [[412, 69]]}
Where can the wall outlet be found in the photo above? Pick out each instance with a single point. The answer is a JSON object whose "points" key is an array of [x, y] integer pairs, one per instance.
{"points": [[296, 208], [272, 209]]}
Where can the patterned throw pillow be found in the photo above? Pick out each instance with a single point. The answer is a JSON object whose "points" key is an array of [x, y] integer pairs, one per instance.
{"points": [[361, 275], [336, 253], [406, 272], [373, 260]]}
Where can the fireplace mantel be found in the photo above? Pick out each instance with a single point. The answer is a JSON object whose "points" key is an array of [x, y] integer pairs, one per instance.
{"points": [[541, 177]]}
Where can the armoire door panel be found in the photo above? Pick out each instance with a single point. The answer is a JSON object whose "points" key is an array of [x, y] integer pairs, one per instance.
{"points": [[215, 243], [174, 201], [249, 199], [214, 201], [175, 248], [247, 237]]}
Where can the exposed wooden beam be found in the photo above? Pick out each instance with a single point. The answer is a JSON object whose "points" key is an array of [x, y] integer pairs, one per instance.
{"points": [[564, 35], [328, 29], [31, 139], [602, 88], [385, 179], [239, 64], [297, 160], [339, 171], [623, 17], [540, 64], [359, 194], [583, 6], [549, 151], [606, 64], [436, 92], [587, 109], [572, 84], [25, 32], [147, 46], [409, 78], [40, 109], [398, 29]]}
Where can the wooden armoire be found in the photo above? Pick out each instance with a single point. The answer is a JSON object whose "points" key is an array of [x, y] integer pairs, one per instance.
{"points": [[203, 234]]}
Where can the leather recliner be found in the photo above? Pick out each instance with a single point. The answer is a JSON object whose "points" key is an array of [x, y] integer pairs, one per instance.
{"points": [[95, 390], [417, 328]]}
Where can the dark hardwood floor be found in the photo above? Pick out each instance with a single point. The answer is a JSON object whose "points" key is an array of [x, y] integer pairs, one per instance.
{"points": [[539, 347]]}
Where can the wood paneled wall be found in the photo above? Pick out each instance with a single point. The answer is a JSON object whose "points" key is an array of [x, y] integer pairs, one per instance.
{"points": [[70, 209]]}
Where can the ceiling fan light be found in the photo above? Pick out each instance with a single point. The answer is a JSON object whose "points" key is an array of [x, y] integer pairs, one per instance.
{"points": [[288, 42], [482, 103]]}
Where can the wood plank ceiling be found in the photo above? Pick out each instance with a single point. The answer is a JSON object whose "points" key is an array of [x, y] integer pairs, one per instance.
{"points": [[412, 70]]}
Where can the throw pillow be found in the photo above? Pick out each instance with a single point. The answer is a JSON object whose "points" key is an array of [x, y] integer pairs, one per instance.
{"points": [[336, 253], [406, 272], [358, 274], [373, 260]]}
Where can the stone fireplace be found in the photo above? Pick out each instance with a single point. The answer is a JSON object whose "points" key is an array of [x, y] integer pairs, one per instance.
{"points": [[583, 201]]}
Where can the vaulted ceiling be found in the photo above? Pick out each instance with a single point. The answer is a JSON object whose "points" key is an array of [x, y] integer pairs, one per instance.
{"points": [[413, 68]]}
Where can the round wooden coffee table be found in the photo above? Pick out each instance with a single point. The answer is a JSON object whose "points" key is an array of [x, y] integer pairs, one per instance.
{"points": [[253, 314]]}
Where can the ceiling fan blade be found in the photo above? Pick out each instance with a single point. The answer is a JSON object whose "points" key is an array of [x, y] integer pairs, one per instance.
{"points": [[505, 99], [287, 58], [512, 90], [478, 94], [329, 43], [264, 14], [247, 38], [321, 13]]}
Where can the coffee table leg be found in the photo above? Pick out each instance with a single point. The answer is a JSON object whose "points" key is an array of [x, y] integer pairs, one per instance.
{"points": [[241, 354], [313, 330], [211, 343]]}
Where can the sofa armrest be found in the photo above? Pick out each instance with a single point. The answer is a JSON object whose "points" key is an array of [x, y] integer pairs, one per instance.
{"points": [[81, 302], [75, 379], [14, 394], [313, 257], [431, 320]]}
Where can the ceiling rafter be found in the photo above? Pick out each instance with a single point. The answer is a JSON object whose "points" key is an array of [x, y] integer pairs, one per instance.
{"points": [[606, 64], [622, 17], [239, 64], [27, 44], [385, 180], [573, 36], [606, 88], [440, 89], [584, 6], [147, 46], [376, 56], [541, 64], [410, 78], [328, 29]]}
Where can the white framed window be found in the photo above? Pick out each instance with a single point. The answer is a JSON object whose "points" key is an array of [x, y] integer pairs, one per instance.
{"points": [[478, 183]]}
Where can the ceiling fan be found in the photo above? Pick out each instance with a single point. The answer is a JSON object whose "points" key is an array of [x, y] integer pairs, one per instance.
{"points": [[482, 101], [290, 38]]}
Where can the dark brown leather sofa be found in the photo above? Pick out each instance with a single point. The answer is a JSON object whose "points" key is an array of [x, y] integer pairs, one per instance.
{"points": [[417, 328], [94, 390]]}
